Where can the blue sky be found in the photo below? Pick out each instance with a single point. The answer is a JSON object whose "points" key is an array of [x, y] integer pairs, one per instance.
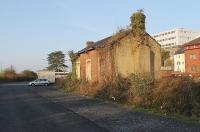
{"points": [[30, 29]]}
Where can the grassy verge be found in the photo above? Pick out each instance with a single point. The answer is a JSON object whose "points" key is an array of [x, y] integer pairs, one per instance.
{"points": [[171, 98], [153, 111], [175, 116]]}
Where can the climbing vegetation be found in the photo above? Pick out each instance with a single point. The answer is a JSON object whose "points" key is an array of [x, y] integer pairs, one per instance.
{"points": [[73, 57], [138, 26]]}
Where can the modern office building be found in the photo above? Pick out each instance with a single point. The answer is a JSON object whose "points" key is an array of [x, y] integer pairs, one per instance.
{"points": [[175, 37]]}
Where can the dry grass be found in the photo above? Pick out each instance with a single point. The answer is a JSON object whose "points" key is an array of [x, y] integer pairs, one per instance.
{"points": [[170, 95], [69, 84], [87, 88], [114, 89], [176, 96], [180, 95]]}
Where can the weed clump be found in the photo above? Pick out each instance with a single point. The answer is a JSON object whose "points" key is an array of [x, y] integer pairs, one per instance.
{"points": [[180, 95], [68, 84], [116, 89], [176, 96]]}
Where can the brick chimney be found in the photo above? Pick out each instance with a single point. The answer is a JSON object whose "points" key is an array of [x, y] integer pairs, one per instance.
{"points": [[138, 23], [89, 44], [138, 26]]}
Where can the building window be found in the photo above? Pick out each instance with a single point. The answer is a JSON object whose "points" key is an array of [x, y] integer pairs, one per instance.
{"points": [[88, 70], [78, 70], [194, 68], [193, 57]]}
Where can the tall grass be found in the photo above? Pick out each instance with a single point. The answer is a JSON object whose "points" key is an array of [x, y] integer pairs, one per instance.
{"points": [[177, 96], [116, 89], [69, 83], [180, 95]]}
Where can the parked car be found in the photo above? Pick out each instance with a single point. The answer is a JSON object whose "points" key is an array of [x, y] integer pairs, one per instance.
{"points": [[39, 82]]}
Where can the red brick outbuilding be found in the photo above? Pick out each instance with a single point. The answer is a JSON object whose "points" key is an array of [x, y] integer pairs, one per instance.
{"points": [[192, 57], [129, 51]]}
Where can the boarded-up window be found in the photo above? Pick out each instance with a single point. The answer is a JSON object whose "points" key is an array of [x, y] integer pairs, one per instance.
{"points": [[193, 57], [78, 70], [88, 70]]}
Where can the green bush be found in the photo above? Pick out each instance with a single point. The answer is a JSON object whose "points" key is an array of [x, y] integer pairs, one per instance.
{"points": [[68, 84], [140, 89], [140, 84]]}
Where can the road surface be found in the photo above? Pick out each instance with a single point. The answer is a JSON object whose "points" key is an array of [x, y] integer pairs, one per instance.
{"points": [[22, 110], [45, 109]]}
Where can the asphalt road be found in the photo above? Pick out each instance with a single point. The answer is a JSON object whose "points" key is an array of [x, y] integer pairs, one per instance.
{"points": [[22, 110], [46, 109]]}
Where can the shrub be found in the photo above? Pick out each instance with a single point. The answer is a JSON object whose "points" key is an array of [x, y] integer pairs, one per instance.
{"points": [[68, 84], [1, 76], [140, 84], [116, 89], [176, 96], [26, 75], [87, 88], [10, 75], [196, 100], [171, 95], [140, 88]]}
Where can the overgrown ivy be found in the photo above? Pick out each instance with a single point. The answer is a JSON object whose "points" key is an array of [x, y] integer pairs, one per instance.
{"points": [[73, 57], [138, 26]]}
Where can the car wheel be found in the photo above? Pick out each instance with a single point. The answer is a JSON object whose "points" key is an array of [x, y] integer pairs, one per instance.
{"points": [[46, 84], [32, 84]]}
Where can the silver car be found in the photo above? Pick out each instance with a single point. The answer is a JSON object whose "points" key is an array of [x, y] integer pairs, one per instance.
{"points": [[39, 82]]}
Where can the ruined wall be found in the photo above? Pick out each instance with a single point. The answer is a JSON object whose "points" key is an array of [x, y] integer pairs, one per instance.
{"points": [[106, 63], [122, 57], [78, 68], [93, 55], [131, 57], [156, 49]]}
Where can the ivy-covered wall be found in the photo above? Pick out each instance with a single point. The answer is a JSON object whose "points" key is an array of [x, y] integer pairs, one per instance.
{"points": [[133, 57], [129, 51], [93, 56]]}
